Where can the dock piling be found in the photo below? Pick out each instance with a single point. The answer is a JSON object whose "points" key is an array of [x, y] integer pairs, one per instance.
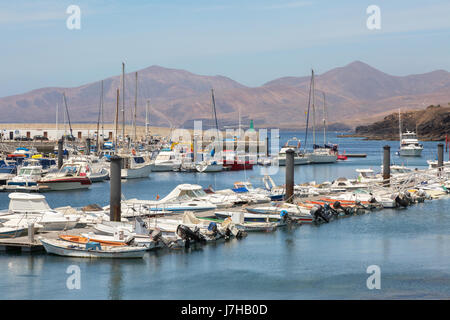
{"points": [[289, 176], [115, 188], [60, 153], [31, 232], [88, 146], [440, 157], [386, 165]]}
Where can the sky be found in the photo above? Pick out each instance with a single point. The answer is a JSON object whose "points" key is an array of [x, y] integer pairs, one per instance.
{"points": [[250, 41]]}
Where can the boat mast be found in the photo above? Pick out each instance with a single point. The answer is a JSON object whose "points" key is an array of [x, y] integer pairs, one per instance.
{"points": [[68, 116], [117, 119], [314, 109], [135, 108], [307, 114], [99, 115], [214, 110], [57, 129], [123, 103], [324, 122], [146, 118], [400, 127]]}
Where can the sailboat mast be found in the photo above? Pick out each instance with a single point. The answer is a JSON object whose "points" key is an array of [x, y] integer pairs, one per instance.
{"points": [[135, 107], [400, 127], [307, 114], [57, 131], [314, 109], [99, 115], [214, 109], [146, 118], [123, 102], [117, 119], [324, 122], [68, 116]]}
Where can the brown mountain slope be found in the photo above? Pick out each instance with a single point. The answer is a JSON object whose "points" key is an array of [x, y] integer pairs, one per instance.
{"points": [[355, 94], [432, 123]]}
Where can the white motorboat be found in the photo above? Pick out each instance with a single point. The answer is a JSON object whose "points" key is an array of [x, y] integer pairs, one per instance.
{"points": [[299, 157], [368, 176], [209, 166], [71, 176], [91, 250], [25, 208], [322, 155], [185, 197], [166, 160], [27, 176], [409, 144], [135, 167]]}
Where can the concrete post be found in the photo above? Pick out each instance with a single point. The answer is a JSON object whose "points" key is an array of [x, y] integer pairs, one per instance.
{"points": [[386, 165], [289, 176], [115, 188], [88, 146], [267, 147], [440, 157], [60, 153], [31, 232], [195, 148]]}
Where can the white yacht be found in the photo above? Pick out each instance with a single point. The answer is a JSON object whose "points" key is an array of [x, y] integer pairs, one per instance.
{"points": [[166, 160], [27, 208], [299, 157], [28, 176], [322, 155], [134, 167], [409, 145]]}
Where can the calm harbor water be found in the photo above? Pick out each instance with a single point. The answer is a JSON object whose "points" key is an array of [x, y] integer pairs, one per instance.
{"points": [[410, 246]]}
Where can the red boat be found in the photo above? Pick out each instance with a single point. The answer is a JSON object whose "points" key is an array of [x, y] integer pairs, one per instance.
{"points": [[236, 165], [342, 156]]}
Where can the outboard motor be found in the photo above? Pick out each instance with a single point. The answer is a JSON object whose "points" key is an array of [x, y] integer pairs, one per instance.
{"points": [[187, 234], [318, 214], [213, 227], [285, 216], [401, 202], [337, 206]]}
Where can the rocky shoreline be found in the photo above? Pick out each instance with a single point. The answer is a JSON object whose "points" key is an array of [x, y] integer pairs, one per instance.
{"points": [[430, 124]]}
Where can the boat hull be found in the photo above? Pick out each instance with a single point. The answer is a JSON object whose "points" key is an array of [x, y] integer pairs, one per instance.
{"points": [[57, 247], [66, 184], [136, 173]]}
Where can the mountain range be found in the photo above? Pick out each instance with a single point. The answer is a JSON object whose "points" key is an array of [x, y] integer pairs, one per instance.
{"points": [[355, 94]]}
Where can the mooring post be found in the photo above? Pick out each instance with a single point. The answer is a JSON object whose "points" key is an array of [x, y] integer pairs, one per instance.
{"points": [[31, 232], [289, 176], [195, 148], [440, 157], [386, 165], [115, 188], [267, 147], [88, 146], [60, 153]]}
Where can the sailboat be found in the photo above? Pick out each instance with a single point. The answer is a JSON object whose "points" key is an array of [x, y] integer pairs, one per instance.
{"points": [[134, 165], [320, 154], [211, 165], [409, 144]]}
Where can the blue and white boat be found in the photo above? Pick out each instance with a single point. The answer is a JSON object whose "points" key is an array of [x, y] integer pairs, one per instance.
{"points": [[27, 176]]}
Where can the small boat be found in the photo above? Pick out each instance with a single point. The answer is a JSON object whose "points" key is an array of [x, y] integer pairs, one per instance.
{"points": [[254, 217], [209, 166], [299, 157], [135, 167], [27, 177], [166, 161], [84, 240], [71, 176], [91, 250], [12, 232], [25, 208]]}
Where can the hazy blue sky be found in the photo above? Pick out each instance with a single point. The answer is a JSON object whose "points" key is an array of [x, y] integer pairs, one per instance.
{"points": [[247, 40]]}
